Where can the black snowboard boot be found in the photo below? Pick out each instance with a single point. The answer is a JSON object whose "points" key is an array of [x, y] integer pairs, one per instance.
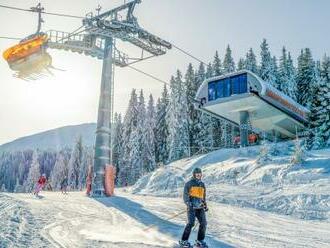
{"points": [[184, 244], [200, 244]]}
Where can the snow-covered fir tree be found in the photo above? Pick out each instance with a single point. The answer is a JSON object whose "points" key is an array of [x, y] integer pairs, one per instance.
{"points": [[191, 89], [287, 75], [150, 125], [274, 77], [59, 172], [204, 138], [162, 129], [75, 164], [129, 125], [3, 188], [135, 160], [228, 62], [141, 133], [178, 139], [267, 66], [117, 149], [217, 69], [18, 187], [321, 107], [87, 162], [241, 64], [251, 61], [34, 173], [305, 77]]}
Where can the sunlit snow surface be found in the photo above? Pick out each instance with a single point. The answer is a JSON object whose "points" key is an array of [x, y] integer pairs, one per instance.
{"points": [[269, 204]]}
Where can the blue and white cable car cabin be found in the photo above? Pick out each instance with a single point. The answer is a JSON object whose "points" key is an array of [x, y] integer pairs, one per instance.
{"points": [[242, 96]]}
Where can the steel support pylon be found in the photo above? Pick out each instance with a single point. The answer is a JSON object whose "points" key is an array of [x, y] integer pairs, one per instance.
{"points": [[102, 150], [244, 119]]}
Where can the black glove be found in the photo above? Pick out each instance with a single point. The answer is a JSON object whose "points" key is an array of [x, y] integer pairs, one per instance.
{"points": [[205, 207]]}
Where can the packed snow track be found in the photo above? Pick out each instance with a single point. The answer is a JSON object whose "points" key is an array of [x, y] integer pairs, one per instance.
{"points": [[127, 220]]}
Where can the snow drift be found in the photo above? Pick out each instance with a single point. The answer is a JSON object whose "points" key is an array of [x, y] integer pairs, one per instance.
{"points": [[246, 177]]}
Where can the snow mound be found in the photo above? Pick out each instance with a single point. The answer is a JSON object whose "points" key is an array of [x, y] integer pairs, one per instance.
{"points": [[239, 177]]}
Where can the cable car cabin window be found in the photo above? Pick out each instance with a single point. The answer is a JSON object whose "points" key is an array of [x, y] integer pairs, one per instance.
{"points": [[235, 85], [242, 83], [220, 89], [212, 91], [227, 87]]}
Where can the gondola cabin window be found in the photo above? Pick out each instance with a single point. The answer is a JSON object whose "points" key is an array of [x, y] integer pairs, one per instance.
{"points": [[227, 87]]}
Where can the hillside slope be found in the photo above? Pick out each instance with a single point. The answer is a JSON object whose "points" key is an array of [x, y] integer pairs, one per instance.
{"points": [[240, 177], [54, 139]]}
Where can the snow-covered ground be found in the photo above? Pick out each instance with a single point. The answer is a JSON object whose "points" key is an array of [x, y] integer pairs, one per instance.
{"points": [[239, 177], [73, 220], [268, 203]]}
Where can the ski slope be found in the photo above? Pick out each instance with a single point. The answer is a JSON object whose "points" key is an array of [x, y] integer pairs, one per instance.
{"points": [[254, 201], [74, 220]]}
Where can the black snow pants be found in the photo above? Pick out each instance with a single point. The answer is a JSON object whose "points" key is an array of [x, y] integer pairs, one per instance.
{"points": [[200, 215]]}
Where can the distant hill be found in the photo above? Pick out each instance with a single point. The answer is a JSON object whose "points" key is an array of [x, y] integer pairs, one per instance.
{"points": [[54, 139]]}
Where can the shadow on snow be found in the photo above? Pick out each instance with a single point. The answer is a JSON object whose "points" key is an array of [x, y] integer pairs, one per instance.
{"points": [[137, 212]]}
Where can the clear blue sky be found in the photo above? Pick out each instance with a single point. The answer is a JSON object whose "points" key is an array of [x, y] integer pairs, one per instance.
{"points": [[201, 27]]}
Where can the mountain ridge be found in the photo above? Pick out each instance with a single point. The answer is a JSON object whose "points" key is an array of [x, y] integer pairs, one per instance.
{"points": [[55, 139]]}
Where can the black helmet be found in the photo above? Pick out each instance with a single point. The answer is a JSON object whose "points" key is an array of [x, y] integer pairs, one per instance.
{"points": [[196, 171]]}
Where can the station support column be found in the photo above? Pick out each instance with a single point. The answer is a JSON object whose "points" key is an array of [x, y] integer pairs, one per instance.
{"points": [[102, 150], [244, 119]]}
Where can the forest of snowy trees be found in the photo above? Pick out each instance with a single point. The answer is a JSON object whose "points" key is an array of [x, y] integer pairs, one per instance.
{"points": [[153, 132]]}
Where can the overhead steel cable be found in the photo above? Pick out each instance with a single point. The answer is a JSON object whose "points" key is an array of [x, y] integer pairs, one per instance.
{"points": [[9, 38], [149, 75], [43, 12], [188, 54]]}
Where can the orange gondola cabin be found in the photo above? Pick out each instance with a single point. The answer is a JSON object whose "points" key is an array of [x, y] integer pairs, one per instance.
{"points": [[29, 58]]}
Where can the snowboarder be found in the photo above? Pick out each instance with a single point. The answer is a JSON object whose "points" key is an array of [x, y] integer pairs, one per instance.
{"points": [[194, 197], [40, 184], [64, 185]]}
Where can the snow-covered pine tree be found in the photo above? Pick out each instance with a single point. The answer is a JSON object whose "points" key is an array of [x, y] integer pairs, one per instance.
{"points": [[18, 187], [267, 64], [204, 137], [217, 69], [283, 72], [129, 125], [3, 188], [135, 158], [251, 61], [34, 173], [241, 64], [292, 84], [274, 74], [321, 104], [162, 130], [150, 125], [87, 162], [228, 62], [59, 172], [141, 166], [117, 149], [75, 163], [178, 139], [305, 77], [191, 89]]}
